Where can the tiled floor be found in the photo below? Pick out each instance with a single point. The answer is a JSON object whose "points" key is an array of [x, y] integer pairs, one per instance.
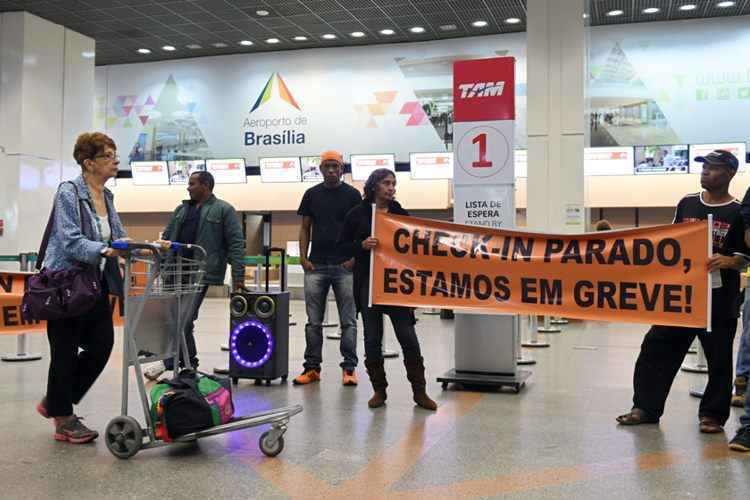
{"points": [[557, 439]]}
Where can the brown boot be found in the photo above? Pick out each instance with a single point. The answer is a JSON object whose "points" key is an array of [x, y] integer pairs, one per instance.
{"points": [[415, 374], [377, 377], [740, 392]]}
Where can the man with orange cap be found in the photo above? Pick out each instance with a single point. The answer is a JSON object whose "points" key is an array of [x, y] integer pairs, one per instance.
{"points": [[323, 209]]}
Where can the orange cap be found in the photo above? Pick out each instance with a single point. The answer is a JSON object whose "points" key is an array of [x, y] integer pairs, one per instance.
{"points": [[331, 155]]}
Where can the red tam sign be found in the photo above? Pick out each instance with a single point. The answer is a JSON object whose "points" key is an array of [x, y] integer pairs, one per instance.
{"points": [[484, 89]]}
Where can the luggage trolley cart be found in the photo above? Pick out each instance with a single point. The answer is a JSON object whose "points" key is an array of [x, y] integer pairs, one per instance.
{"points": [[160, 290]]}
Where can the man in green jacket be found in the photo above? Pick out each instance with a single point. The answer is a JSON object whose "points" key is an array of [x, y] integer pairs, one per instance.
{"points": [[211, 223]]}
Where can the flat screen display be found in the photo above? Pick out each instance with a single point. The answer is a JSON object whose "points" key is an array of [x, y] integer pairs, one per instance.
{"points": [[280, 169], [364, 165], [738, 149], [431, 165], [521, 162], [661, 159], [181, 170], [149, 173], [227, 171], [608, 161], [311, 169]]}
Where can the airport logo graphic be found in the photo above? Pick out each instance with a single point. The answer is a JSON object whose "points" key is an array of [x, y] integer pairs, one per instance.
{"points": [[267, 92], [267, 127]]}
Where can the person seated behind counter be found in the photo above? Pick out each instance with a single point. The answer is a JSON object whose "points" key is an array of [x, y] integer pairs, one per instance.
{"points": [[355, 240]]}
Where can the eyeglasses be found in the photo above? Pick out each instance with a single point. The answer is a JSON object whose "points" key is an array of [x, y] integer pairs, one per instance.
{"points": [[108, 157]]}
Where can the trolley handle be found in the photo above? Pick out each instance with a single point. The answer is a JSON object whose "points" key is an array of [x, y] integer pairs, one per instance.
{"points": [[133, 247], [175, 246]]}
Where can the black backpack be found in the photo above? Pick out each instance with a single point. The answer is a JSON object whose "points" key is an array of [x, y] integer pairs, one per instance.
{"points": [[185, 408]]}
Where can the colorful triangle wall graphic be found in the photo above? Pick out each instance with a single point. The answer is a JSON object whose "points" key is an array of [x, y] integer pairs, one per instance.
{"points": [[284, 92], [265, 95]]}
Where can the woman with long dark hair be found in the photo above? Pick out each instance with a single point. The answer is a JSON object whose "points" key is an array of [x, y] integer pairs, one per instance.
{"points": [[355, 239]]}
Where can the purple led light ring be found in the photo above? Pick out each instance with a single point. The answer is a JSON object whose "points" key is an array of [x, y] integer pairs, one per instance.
{"points": [[233, 343]]}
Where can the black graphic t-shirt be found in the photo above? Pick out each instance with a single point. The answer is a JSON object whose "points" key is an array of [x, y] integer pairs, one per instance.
{"points": [[728, 239]]}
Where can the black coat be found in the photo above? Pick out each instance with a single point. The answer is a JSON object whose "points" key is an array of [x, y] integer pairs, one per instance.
{"points": [[357, 228]]}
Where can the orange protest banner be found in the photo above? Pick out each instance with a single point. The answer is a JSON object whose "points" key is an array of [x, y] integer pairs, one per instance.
{"points": [[654, 275], [12, 286]]}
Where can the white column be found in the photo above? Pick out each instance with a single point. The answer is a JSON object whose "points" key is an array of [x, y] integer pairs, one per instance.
{"points": [[46, 99], [555, 75]]}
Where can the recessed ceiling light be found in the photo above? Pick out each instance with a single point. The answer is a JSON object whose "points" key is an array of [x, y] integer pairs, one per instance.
{"points": [[219, 45], [724, 5], [512, 20], [246, 43], [585, 16], [613, 13], [479, 24], [417, 29], [357, 34], [651, 10], [144, 51], [448, 27], [300, 38], [194, 46], [387, 32], [262, 12], [169, 48], [88, 55], [273, 40], [689, 6], [329, 36]]}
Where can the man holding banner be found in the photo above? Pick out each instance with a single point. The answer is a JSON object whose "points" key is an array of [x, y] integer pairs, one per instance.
{"points": [[664, 347]]}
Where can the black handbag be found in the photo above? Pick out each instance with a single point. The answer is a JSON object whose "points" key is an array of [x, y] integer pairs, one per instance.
{"points": [[65, 293]]}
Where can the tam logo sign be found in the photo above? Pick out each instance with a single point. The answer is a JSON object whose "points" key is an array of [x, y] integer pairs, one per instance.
{"points": [[483, 90]]}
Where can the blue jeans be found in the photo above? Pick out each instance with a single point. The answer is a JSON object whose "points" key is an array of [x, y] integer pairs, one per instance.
{"points": [[743, 353], [317, 284]]}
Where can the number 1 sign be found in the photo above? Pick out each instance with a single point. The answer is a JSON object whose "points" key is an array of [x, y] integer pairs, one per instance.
{"points": [[484, 154]]}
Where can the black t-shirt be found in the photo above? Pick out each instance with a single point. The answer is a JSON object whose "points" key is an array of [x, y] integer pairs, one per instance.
{"points": [[189, 227], [728, 239], [328, 208]]}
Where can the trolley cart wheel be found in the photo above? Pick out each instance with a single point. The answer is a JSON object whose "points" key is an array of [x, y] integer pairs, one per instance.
{"points": [[235, 380], [284, 378], [258, 381], [123, 436], [445, 385], [268, 381], [269, 446]]}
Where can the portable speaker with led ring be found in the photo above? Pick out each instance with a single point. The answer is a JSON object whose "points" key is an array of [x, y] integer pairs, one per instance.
{"points": [[259, 334]]}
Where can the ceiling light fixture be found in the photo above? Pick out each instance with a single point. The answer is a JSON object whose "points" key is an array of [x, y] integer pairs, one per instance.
{"points": [[272, 40], [88, 55], [614, 13], [357, 34], [448, 27], [219, 45], [193, 46], [651, 10], [387, 31], [329, 36], [512, 20], [262, 12], [479, 24], [300, 38], [724, 5], [144, 51], [417, 29], [690, 6], [169, 48], [246, 43]]}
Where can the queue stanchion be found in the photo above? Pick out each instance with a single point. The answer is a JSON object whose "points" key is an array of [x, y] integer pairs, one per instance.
{"points": [[556, 320], [699, 365], [534, 340], [431, 311], [328, 321], [22, 340], [520, 358], [547, 327]]}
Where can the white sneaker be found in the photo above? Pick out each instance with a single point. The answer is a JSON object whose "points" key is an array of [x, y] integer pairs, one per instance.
{"points": [[154, 371]]}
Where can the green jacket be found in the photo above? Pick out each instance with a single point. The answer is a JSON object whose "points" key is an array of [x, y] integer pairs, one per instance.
{"points": [[220, 234]]}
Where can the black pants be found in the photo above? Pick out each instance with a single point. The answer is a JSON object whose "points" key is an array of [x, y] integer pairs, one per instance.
{"points": [[662, 352], [79, 351], [402, 319], [189, 331]]}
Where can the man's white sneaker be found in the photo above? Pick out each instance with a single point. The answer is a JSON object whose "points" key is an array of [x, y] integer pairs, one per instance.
{"points": [[154, 371]]}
